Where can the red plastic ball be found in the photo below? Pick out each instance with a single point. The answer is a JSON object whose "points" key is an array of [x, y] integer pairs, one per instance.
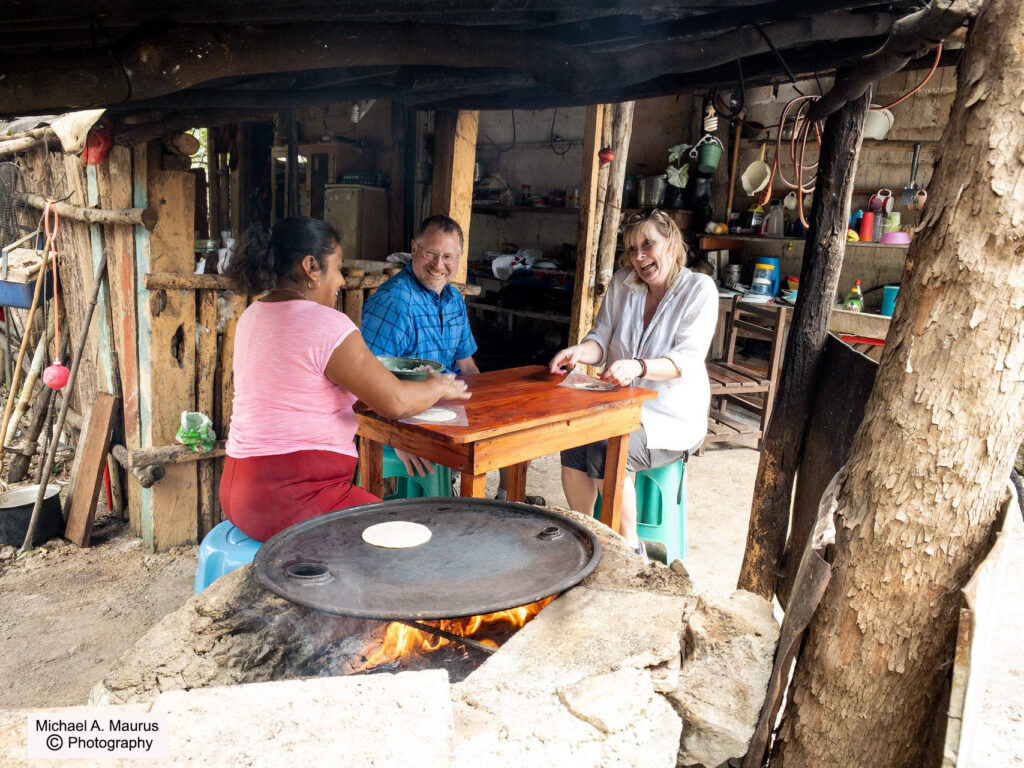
{"points": [[55, 376], [606, 155]]}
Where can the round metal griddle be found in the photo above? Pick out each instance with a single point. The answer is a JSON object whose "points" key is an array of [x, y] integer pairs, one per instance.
{"points": [[483, 556]]}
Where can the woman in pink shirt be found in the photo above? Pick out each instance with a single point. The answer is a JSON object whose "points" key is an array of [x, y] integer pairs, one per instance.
{"points": [[299, 365]]}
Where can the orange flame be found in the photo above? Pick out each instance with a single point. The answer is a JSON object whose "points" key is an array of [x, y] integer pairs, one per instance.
{"points": [[402, 641]]}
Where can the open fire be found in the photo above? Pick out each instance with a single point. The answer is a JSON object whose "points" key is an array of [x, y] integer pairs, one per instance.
{"points": [[403, 644]]}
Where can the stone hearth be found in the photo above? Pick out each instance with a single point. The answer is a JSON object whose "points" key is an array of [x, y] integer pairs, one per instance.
{"points": [[629, 668]]}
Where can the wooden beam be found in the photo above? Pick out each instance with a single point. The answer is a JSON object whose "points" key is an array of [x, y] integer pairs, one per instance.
{"points": [[454, 156], [586, 241], [206, 368], [166, 346], [909, 38], [87, 469], [130, 216], [115, 188], [27, 140], [819, 279], [173, 281]]}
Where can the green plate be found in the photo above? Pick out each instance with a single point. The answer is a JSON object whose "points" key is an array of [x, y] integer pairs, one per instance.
{"points": [[404, 367]]}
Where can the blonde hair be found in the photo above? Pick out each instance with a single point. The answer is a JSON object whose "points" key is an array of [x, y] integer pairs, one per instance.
{"points": [[665, 227]]}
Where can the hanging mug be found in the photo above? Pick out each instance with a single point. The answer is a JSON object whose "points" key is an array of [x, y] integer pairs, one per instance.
{"points": [[790, 201], [882, 201], [707, 153], [920, 197]]}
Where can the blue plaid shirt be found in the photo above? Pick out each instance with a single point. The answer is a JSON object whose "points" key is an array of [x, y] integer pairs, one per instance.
{"points": [[404, 319]]}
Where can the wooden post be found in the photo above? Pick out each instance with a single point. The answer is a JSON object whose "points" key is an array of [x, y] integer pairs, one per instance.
{"points": [[206, 365], [819, 278], [454, 155], [166, 346], [352, 298], [622, 128], [114, 180], [105, 355], [586, 244]]}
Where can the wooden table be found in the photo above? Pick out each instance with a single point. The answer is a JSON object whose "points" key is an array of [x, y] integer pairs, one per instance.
{"points": [[514, 415]]}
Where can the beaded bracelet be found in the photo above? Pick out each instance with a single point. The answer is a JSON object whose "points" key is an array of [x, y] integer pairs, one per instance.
{"points": [[643, 368]]}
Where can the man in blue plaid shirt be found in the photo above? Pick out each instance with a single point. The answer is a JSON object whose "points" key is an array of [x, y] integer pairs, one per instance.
{"points": [[417, 313]]}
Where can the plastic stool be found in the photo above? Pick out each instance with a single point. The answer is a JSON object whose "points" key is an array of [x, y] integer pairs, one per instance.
{"points": [[661, 507], [223, 549], [437, 483]]}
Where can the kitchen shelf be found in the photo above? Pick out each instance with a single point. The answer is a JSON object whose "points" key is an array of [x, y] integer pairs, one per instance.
{"points": [[505, 210], [519, 312], [707, 242]]}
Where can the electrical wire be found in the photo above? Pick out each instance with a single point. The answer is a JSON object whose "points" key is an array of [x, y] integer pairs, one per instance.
{"points": [[510, 146], [553, 140], [782, 61], [919, 86]]}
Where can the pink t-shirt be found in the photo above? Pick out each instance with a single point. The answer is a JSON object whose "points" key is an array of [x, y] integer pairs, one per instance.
{"points": [[283, 401]]}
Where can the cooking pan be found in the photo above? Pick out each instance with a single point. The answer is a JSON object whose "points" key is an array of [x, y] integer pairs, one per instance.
{"points": [[756, 176], [16, 512]]}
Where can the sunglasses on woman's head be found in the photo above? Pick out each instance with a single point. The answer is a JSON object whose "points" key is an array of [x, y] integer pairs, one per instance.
{"points": [[643, 215]]}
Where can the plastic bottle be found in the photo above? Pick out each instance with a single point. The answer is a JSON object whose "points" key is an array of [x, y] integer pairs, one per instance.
{"points": [[854, 299], [774, 222]]}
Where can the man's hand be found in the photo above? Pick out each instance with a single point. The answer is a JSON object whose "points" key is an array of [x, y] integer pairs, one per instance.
{"points": [[414, 465]]}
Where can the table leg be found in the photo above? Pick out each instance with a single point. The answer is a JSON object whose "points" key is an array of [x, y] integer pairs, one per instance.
{"points": [[614, 474], [516, 479], [473, 485], [371, 466]]}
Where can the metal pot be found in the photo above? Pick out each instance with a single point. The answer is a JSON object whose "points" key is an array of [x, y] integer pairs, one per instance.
{"points": [[16, 512], [652, 191]]}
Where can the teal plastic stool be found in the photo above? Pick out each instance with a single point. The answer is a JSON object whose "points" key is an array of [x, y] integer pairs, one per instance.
{"points": [[661, 507], [437, 483], [223, 549]]}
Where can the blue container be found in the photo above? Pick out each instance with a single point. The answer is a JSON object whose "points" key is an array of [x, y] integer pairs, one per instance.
{"points": [[19, 295], [775, 272], [889, 299]]}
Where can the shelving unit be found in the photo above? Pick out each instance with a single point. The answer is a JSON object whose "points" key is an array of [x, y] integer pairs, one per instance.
{"points": [[505, 210]]}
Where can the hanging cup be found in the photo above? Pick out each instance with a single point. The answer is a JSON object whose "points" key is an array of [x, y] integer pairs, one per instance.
{"points": [[882, 201]]}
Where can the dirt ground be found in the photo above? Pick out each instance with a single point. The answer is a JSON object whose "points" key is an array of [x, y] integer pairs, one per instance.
{"points": [[67, 614]]}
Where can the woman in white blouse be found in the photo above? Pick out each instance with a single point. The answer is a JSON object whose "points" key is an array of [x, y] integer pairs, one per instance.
{"points": [[654, 330]]}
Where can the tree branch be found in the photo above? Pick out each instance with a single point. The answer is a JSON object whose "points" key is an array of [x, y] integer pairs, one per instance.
{"points": [[911, 37]]}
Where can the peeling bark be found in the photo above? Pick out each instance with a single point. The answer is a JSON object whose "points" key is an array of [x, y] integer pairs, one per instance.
{"points": [[938, 440]]}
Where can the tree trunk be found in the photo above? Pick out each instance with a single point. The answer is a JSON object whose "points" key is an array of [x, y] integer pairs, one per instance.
{"points": [[819, 276], [928, 467]]}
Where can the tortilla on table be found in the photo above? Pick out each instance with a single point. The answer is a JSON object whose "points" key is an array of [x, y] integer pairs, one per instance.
{"points": [[397, 534], [436, 414]]}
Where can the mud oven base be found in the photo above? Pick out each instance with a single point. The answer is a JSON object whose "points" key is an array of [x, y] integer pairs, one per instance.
{"points": [[628, 668]]}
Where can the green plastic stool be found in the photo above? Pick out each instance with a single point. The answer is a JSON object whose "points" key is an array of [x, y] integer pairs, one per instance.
{"points": [[661, 507], [438, 483]]}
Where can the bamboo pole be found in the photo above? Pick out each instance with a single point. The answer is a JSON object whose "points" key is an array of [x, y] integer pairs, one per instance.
{"points": [[101, 269], [622, 128], [30, 382]]}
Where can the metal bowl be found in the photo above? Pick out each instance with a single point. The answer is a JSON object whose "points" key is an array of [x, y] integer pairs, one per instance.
{"points": [[404, 367]]}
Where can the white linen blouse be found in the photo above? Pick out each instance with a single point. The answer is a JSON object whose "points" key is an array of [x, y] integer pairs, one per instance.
{"points": [[681, 330]]}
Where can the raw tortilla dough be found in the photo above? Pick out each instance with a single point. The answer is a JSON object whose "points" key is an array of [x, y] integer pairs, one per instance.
{"points": [[588, 385], [436, 414], [397, 534]]}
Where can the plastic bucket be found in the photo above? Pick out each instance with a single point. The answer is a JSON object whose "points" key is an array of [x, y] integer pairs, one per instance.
{"points": [[708, 155], [889, 293]]}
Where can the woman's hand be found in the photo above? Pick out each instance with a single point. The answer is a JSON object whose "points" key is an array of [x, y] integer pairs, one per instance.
{"points": [[622, 372], [565, 360], [414, 465], [451, 387]]}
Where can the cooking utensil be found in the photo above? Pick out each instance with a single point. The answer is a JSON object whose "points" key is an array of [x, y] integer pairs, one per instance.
{"points": [[910, 191], [756, 176], [483, 556], [406, 367], [16, 514], [732, 171]]}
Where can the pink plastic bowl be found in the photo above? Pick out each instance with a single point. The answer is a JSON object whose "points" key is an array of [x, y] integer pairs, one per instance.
{"points": [[895, 238]]}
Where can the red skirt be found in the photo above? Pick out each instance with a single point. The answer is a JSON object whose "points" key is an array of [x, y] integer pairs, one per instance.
{"points": [[262, 495]]}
